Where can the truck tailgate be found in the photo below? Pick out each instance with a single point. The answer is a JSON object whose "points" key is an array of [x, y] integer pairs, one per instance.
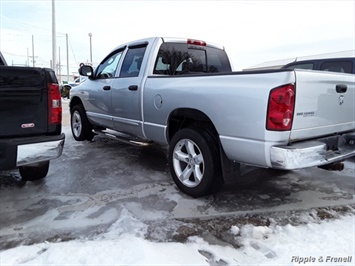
{"points": [[324, 104], [23, 101]]}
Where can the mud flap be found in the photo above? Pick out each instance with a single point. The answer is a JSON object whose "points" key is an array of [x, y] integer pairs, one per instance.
{"points": [[230, 169]]}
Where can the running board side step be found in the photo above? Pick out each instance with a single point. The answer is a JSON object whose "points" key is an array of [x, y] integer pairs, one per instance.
{"points": [[122, 137]]}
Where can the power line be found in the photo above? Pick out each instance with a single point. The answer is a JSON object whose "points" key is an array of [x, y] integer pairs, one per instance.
{"points": [[72, 50]]}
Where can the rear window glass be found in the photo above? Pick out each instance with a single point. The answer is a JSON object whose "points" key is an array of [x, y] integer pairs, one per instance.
{"points": [[181, 59], [2, 60], [51, 76], [337, 66], [301, 66]]}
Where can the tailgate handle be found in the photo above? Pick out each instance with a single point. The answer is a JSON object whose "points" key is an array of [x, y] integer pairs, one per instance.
{"points": [[341, 88], [133, 87], [107, 88]]}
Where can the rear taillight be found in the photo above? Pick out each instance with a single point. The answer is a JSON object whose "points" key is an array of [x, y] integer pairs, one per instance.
{"points": [[280, 108], [54, 104]]}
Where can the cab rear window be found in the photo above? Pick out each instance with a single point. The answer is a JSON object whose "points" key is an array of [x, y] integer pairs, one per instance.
{"points": [[182, 58]]}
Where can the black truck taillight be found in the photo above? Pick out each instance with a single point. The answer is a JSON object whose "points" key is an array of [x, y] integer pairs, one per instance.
{"points": [[281, 108], [54, 104]]}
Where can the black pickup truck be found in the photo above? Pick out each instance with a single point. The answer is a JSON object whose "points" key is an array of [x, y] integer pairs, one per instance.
{"points": [[30, 120]]}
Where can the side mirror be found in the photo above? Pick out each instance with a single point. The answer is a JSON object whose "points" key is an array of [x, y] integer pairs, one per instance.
{"points": [[87, 71]]}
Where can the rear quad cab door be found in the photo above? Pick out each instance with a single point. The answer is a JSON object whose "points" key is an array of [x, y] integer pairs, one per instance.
{"points": [[127, 92], [324, 104]]}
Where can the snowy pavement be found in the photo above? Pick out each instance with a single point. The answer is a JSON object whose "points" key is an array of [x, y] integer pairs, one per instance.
{"points": [[314, 242], [107, 203]]}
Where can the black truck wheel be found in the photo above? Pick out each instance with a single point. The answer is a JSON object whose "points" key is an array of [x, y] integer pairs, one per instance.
{"points": [[80, 125], [34, 172], [194, 161]]}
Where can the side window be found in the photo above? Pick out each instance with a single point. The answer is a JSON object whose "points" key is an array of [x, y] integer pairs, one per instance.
{"points": [[301, 66], [337, 66], [132, 62], [180, 59], [108, 67]]}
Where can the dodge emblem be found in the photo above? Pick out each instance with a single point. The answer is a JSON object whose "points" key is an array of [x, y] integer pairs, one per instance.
{"points": [[341, 99]]}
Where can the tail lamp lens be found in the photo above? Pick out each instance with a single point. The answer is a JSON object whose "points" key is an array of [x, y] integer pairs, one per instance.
{"points": [[281, 108], [54, 104]]}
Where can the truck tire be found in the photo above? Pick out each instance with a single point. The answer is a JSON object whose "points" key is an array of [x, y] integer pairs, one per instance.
{"points": [[81, 128], [34, 172], [193, 161]]}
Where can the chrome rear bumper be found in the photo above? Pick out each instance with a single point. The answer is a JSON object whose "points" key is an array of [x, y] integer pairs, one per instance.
{"points": [[39, 152], [312, 153]]}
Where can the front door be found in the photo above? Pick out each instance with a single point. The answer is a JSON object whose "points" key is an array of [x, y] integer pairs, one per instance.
{"points": [[100, 108]]}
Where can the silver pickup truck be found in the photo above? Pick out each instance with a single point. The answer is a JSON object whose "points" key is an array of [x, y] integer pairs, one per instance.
{"points": [[182, 93]]}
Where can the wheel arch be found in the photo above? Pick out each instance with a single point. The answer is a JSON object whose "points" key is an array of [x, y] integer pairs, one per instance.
{"points": [[188, 117], [74, 101]]}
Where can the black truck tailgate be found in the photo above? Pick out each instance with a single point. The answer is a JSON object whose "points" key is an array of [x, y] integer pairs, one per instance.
{"points": [[23, 101]]}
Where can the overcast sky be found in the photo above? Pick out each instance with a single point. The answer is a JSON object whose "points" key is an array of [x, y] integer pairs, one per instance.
{"points": [[251, 31]]}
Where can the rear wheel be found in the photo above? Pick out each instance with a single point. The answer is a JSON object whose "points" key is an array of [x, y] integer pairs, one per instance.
{"points": [[34, 172], [194, 161], [80, 126]]}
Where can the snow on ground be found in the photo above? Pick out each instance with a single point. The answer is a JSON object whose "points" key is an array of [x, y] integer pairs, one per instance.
{"points": [[315, 242]]}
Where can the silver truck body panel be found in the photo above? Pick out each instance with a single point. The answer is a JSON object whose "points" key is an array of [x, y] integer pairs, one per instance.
{"points": [[237, 112]]}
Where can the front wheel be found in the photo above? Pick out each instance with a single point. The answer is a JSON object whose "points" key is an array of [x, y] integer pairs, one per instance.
{"points": [[80, 125], [34, 172], [193, 161]]}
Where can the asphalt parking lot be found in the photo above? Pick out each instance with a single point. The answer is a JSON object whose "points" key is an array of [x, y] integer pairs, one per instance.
{"points": [[92, 183]]}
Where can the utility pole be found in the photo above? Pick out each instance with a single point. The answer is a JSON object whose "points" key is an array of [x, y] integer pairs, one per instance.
{"points": [[33, 51], [59, 67], [90, 36], [66, 36], [54, 50]]}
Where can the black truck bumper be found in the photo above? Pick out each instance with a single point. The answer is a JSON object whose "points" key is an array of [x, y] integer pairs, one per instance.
{"points": [[15, 152]]}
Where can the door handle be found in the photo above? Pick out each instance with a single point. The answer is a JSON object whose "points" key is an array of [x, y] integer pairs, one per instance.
{"points": [[133, 87], [341, 88], [107, 88]]}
